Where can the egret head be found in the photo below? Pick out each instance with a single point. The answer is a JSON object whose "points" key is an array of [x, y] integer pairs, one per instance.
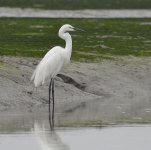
{"points": [[68, 28]]}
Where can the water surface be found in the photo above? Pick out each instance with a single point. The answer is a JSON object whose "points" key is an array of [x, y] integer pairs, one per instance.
{"points": [[105, 13], [136, 137]]}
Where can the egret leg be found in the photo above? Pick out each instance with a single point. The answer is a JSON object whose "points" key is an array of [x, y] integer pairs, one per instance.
{"points": [[53, 102], [50, 117]]}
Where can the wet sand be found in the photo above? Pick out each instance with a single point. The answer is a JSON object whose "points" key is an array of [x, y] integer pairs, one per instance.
{"points": [[38, 13], [110, 91]]}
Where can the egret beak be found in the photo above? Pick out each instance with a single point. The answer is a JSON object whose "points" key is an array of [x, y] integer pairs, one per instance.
{"points": [[77, 29]]}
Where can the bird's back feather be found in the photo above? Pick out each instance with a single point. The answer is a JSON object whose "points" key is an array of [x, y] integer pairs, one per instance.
{"points": [[49, 66]]}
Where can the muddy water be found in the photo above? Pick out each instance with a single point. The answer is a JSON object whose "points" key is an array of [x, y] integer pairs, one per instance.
{"points": [[34, 134]]}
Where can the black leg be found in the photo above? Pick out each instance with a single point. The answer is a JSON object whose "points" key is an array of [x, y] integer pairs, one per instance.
{"points": [[53, 102], [50, 118]]}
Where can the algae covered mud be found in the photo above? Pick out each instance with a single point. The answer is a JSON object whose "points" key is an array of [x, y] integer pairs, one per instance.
{"points": [[104, 38]]}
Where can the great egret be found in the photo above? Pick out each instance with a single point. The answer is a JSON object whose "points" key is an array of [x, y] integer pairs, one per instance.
{"points": [[52, 63]]}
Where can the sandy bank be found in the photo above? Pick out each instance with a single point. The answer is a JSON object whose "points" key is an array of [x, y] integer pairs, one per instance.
{"points": [[110, 90]]}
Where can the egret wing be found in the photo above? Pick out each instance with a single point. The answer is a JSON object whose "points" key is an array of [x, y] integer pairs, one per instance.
{"points": [[49, 66]]}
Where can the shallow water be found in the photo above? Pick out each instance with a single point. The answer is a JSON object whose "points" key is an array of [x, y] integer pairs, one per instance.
{"points": [[39, 137], [104, 13]]}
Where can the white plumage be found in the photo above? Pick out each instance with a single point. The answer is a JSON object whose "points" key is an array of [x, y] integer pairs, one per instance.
{"points": [[54, 59], [52, 63], [49, 66]]}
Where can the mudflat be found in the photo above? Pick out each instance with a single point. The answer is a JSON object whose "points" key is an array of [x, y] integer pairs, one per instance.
{"points": [[115, 90]]}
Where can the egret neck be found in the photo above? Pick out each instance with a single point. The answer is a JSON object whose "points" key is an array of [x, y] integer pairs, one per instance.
{"points": [[68, 48]]}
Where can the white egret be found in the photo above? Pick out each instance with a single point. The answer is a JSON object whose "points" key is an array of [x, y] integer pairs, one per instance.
{"points": [[52, 63]]}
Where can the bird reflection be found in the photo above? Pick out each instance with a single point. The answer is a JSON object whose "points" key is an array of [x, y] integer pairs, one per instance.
{"points": [[48, 140]]}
